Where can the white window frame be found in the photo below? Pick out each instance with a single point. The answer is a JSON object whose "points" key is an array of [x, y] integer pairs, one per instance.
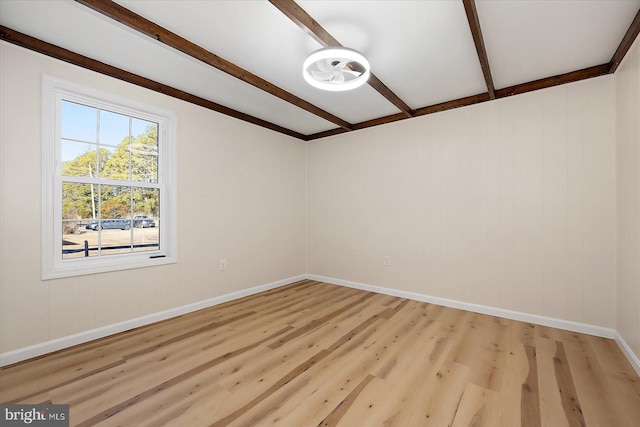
{"points": [[54, 90]]}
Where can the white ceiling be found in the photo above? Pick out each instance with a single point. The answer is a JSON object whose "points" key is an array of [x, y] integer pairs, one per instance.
{"points": [[422, 50], [530, 40]]}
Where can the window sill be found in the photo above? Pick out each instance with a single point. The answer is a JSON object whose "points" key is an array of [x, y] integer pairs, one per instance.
{"points": [[80, 267]]}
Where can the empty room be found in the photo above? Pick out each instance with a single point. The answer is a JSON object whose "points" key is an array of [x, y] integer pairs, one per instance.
{"points": [[320, 213]]}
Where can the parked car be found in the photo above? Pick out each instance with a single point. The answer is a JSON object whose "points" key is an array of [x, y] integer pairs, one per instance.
{"points": [[122, 224], [143, 221]]}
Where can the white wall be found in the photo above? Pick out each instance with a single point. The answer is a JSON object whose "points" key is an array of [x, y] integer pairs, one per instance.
{"points": [[628, 139], [508, 204], [241, 197]]}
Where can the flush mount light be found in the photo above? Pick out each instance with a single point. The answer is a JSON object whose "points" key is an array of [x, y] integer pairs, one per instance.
{"points": [[336, 69]]}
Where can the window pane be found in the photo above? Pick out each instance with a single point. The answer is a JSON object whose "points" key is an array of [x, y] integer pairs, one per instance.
{"points": [[117, 163], [146, 202], [79, 201], [146, 238], [77, 241], [114, 128], [114, 137], [144, 151], [146, 206], [78, 210], [145, 133], [116, 202], [79, 122], [78, 159], [144, 167], [115, 226]]}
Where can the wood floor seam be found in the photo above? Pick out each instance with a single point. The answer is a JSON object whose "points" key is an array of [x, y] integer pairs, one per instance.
{"points": [[179, 378]]}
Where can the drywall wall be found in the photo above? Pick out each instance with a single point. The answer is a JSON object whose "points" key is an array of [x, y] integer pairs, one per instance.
{"points": [[508, 204], [628, 200], [241, 197]]}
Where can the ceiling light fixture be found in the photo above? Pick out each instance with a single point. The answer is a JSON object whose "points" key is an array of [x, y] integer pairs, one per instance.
{"points": [[336, 69]]}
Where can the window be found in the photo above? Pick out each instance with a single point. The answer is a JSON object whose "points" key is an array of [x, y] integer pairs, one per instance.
{"points": [[108, 182]]}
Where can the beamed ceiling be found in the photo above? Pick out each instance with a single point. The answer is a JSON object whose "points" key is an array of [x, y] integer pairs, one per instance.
{"points": [[244, 58]]}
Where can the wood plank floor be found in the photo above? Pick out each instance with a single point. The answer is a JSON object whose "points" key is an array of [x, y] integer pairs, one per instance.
{"points": [[315, 354]]}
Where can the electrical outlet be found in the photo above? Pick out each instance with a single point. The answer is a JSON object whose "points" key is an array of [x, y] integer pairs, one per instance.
{"points": [[223, 264], [387, 261]]}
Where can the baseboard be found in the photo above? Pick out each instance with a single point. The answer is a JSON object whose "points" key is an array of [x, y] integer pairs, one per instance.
{"points": [[25, 353], [499, 312], [476, 308], [631, 357]]}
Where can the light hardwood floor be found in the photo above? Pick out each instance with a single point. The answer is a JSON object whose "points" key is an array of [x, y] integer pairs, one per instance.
{"points": [[314, 354]]}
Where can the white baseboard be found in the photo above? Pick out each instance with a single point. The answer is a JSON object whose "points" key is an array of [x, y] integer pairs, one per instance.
{"points": [[631, 357], [499, 312], [476, 308], [25, 353]]}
